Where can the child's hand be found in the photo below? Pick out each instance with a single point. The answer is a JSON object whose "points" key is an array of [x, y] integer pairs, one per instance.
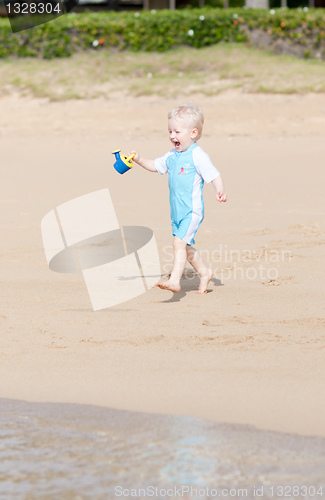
{"points": [[136, 156], [218, 186], [221, 196]]}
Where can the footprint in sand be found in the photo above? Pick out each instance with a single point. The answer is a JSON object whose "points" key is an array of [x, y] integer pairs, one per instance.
{"points": [[283, 280], [308, 230], [261, 232], [206, 322]]}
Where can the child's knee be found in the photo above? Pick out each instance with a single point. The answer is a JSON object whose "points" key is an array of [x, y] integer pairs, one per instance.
{"points": [[179, 244]]}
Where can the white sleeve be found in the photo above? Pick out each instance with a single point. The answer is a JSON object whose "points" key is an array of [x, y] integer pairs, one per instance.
{"points": [[160, 163], [204, 165]]}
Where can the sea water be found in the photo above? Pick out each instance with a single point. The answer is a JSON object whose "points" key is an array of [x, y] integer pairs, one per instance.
{"points": [[74, 452]]}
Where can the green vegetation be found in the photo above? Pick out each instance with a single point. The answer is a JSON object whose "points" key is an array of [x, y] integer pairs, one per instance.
{"points": [[181, 71], [162, 30]]}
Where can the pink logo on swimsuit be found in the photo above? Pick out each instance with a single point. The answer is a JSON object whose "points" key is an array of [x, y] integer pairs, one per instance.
{"points": [[182, 171]]}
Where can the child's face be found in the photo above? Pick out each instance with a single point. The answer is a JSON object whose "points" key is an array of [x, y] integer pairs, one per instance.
{"points": [[180, 134]]}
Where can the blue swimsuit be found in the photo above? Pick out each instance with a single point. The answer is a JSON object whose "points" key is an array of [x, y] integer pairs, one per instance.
{"points": [[188, 170]]}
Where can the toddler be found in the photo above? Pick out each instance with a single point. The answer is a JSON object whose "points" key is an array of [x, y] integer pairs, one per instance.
{"points": [[188, 167]]}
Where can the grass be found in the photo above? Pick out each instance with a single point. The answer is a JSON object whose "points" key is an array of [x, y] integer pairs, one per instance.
{"points": [[188, 71]]}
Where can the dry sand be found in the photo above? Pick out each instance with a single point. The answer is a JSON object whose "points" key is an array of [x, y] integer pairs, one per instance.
{"points": [[252, 350]]}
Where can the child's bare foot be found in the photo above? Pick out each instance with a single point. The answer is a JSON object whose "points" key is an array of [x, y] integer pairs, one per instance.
{"points": [[169, 285], [204, 281]]}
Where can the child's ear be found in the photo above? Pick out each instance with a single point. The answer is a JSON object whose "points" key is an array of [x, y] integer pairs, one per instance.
{"points": [[194, 133]]}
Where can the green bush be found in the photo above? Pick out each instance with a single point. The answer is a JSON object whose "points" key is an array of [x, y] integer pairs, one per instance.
{"points": [[159, 31]]}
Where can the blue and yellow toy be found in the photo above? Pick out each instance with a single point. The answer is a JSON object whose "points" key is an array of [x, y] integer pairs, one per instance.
{"points": [[123, 163]]}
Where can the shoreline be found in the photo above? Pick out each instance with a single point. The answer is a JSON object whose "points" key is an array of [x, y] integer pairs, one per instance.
{"points": [[144, 454]]}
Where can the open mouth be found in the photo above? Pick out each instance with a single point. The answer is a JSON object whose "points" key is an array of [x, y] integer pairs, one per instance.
{"points": [[177, 144]]}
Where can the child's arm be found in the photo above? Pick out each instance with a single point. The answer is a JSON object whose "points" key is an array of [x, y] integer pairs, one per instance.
{"points": [[143, 162], [218, 186]]}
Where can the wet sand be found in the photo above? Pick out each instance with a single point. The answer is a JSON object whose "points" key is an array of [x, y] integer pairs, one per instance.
{"points": [[68, 451]]}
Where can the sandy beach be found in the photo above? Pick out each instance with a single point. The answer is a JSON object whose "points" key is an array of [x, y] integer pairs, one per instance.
{"points": [[251, 351]]}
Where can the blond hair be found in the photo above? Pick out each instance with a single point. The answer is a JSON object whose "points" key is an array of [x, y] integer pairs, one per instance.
{"points": [[191, 114]]}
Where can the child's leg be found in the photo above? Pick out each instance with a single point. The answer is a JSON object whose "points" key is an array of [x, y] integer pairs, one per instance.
{"points": [[204, 272], [180, 256]]}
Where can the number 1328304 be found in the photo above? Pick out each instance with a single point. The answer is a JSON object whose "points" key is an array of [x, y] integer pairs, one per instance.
{"points": [[34, 8], [296, 491]]}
